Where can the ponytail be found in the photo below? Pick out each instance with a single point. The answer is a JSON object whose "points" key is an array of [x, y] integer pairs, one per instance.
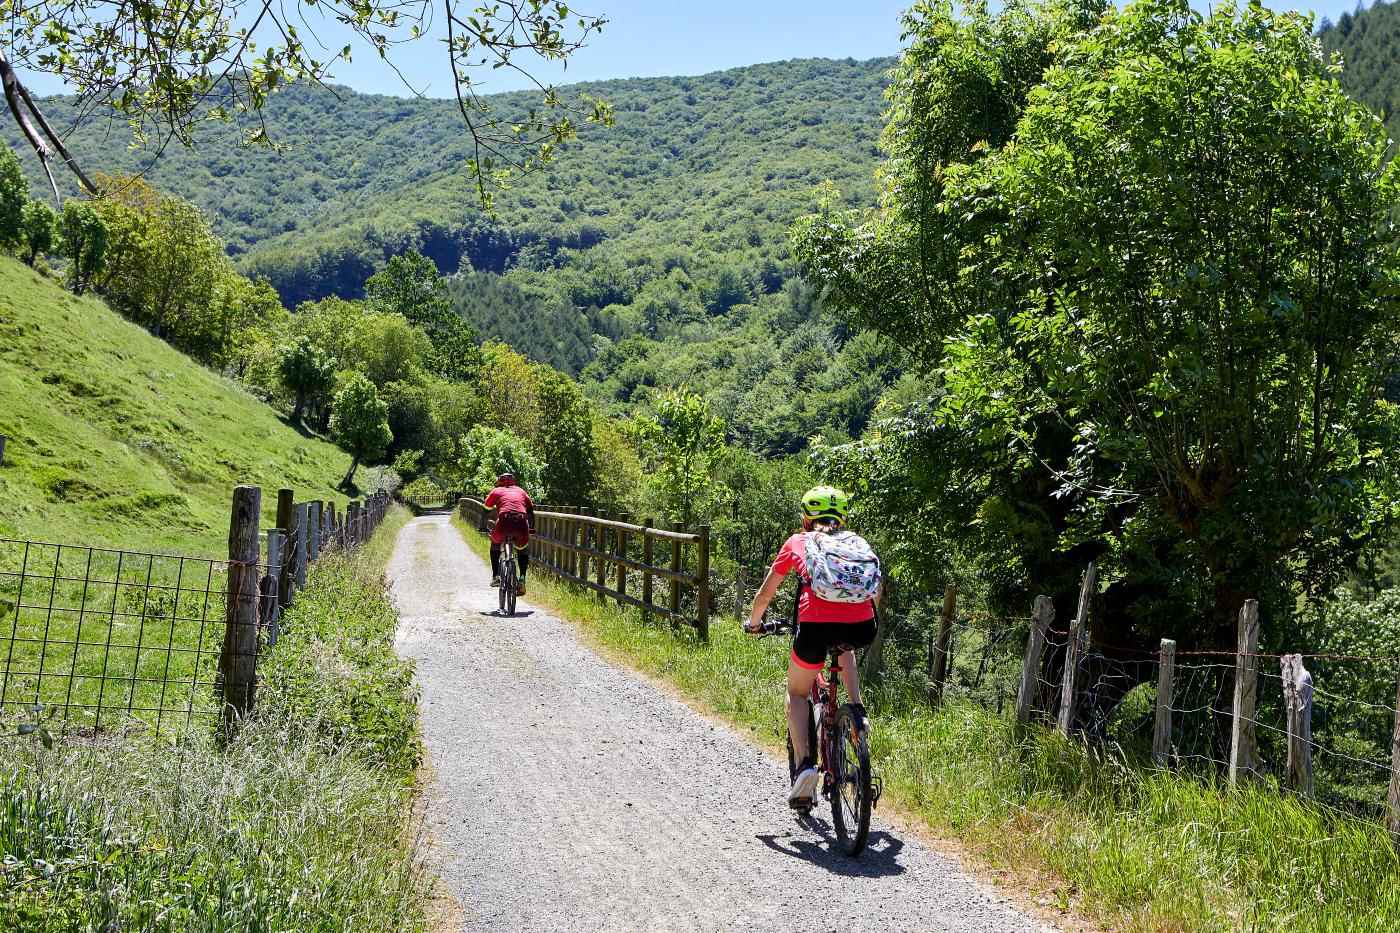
{"points": [[827, 526]]}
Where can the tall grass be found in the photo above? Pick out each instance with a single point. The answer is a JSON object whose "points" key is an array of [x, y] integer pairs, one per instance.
{"points": [[1140, 850], [305, 822]]}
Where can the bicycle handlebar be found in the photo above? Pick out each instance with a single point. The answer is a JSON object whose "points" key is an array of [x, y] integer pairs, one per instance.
{"points": [[776, 627]]}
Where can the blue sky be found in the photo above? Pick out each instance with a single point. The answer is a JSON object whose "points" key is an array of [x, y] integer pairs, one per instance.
{"points": [[649, 38]]}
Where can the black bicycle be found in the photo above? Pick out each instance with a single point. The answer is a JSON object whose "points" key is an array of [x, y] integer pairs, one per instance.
{"points": [[510, 579], [842, 738]]}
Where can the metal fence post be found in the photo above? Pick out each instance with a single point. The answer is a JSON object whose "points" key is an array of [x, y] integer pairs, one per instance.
{"points": [[238, 657]]}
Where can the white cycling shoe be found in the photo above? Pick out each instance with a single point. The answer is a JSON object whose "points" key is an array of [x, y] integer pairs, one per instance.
{"points": [[804, 788]]}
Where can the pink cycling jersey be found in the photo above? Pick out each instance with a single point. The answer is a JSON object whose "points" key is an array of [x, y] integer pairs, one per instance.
{"points": [[811, 607]]}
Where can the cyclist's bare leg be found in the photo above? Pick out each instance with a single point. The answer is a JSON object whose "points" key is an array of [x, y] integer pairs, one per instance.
{"points": [[800, 681], [850, 676]]}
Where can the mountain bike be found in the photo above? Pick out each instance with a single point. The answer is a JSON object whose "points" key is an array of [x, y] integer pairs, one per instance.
{"points": [[510, 579], [842, 741]]}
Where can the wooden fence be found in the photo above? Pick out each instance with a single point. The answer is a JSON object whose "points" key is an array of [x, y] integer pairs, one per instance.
{"points": [[590, 549]]}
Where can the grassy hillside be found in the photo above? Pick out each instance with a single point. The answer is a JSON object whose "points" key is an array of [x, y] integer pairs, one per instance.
{"points": [[117, 439]]}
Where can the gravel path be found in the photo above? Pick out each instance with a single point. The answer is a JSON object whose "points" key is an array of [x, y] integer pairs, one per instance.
{"points": [[571, 795]]}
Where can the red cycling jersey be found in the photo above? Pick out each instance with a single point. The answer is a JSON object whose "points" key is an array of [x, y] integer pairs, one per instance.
{"points": [[510, 499], [811, 607]]}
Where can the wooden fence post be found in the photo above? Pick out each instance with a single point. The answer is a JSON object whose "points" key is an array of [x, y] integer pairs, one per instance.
{"points": [[299, 529], [646, 559], [238, 659], [938, 670], [1078, 634], [602, 548], [1297, 700], [622, 553], [675, 568], [1243, 756], [3, 439], [1392, 800], [1043, 618], [702, 570], [313, 531], [740, 599], [1166, 690], [285, 499], [270, 607], [352, 523]]}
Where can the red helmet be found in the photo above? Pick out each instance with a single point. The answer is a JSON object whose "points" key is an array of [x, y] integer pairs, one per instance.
{"points": [[505, 479]]}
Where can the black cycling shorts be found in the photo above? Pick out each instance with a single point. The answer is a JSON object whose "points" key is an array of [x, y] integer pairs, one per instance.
{"points": [[814, 639]]}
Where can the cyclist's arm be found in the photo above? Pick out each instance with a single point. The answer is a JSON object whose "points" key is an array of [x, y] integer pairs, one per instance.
{"points": [[763, 597]]}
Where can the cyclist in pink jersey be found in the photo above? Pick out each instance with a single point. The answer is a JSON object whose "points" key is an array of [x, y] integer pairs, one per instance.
{"points": [[515, 520], [821, 623]]}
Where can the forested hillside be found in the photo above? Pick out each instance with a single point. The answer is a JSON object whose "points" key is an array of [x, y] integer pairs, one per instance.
{"points": [[1369, 40]]}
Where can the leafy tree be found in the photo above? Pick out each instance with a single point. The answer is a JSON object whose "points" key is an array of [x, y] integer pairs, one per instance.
{"points": [[566, 439], [411, 286], [82, 240], [488, 452], [1158, 319], [359, 423], [14, 194], [683, 442], [165, 264], [307, 371], [37, 230]]}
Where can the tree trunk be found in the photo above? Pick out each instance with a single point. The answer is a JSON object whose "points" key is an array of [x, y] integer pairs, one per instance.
{"points": [[350, 474], [301, 403]]}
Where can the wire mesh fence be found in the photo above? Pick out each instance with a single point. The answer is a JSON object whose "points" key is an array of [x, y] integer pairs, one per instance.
{"points": [[125, 643], [118, 640]]}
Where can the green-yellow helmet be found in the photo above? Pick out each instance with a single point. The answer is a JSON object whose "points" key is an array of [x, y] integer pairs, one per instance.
{"points": [[825, 502]]}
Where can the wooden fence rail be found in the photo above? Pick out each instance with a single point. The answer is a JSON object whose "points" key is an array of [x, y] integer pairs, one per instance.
{"points": [[594, 551]]}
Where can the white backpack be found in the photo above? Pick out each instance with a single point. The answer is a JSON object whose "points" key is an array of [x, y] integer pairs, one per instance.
{"points": [[841, 567]]}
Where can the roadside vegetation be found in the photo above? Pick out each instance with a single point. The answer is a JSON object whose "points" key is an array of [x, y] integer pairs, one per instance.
{"points": [[305, 821], [1074, 828]]}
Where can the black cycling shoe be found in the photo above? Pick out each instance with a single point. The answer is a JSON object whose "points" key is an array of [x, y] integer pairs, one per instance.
{"points": [[862, 716]]}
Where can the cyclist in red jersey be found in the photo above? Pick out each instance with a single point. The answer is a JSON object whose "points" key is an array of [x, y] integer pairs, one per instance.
{"points": [[515, 519], [821, 623]]}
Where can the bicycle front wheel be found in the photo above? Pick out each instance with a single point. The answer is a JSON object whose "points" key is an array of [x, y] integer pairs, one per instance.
{"points": [[811, 747], [850, 798]]}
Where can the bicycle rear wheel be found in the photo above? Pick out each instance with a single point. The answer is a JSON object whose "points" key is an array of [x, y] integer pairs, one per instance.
{"points": [[851, 798], [507, 569], [512, 587]]}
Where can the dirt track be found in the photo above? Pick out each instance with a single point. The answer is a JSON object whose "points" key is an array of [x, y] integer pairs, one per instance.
{"points": [[571, 795]]}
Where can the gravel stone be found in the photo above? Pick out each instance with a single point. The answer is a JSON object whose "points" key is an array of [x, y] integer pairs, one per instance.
{"points": [[568, 794]]}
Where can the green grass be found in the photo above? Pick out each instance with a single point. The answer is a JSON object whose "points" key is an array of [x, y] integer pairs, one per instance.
{"points": [[116, 439], [305, 822], [1134, 849]]}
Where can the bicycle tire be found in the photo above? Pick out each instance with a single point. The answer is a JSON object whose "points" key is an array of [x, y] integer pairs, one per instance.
{"points": [[512, 591], [850, 798], [507, 581], [811, 750]]}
